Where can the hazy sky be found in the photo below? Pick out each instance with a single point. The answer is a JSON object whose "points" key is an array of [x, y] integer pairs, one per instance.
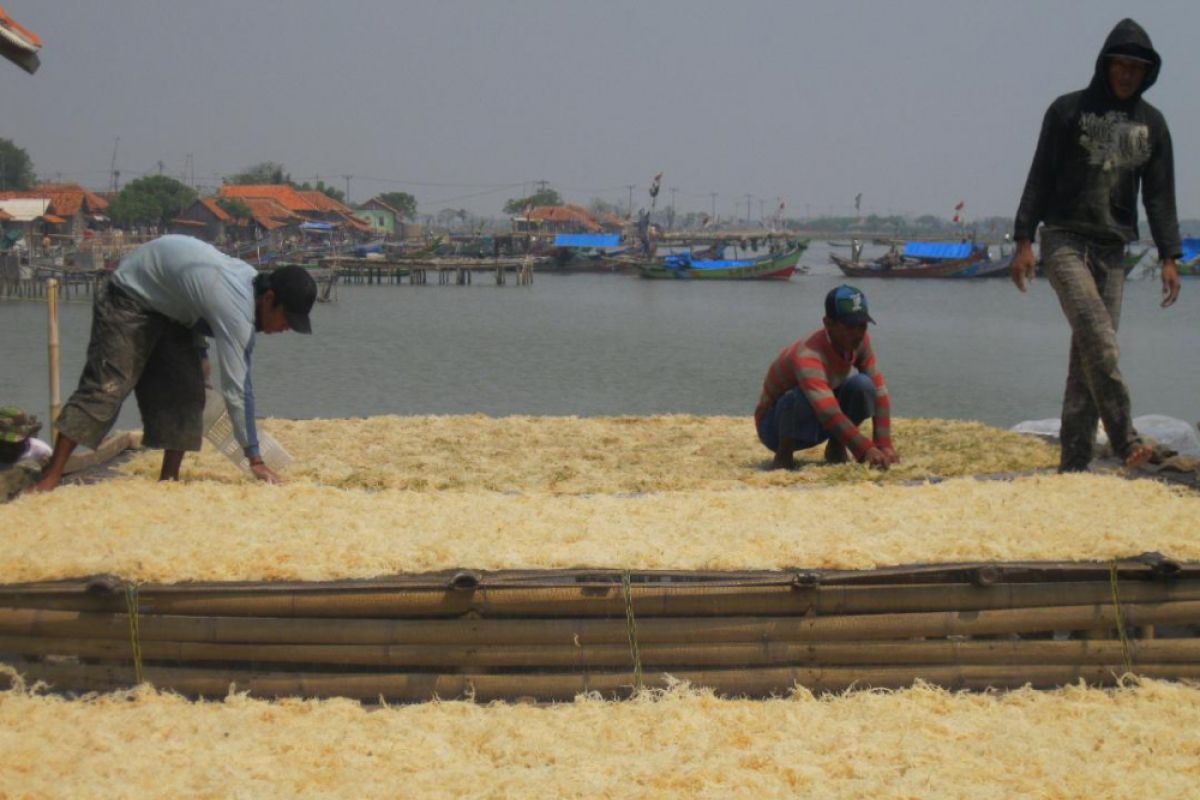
{"points": [[916, 104]]}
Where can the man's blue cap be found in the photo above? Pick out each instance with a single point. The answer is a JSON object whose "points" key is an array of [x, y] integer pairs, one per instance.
{"points": [[847, 305]]}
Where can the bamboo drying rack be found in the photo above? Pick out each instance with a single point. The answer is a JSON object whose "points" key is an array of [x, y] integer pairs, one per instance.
{"points": [[550, 635]]}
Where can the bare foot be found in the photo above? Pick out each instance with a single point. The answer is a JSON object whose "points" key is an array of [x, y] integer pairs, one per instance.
{"points": [[1138, 456], [44, 485], [783, 461], [835, 452]]}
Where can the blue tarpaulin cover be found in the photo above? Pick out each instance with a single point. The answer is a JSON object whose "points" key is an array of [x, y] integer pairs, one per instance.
{"points": [[316, 226], [1191, 249], [587, 240], [937, 250], [684, 261]]}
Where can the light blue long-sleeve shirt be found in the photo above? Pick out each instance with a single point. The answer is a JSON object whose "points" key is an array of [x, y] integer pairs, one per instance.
{"points": [[201, 288]]}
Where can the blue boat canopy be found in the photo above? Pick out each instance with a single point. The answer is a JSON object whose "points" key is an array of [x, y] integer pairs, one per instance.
{"points": [[587, 240], [684, 261], [316, 226], [1191, 249], [944, 250]]}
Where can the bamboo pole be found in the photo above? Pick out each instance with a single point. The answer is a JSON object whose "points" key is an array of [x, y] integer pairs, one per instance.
{"points": [[418, 687], [584, 657], [648, 600], [267, 630], [52, 324]]}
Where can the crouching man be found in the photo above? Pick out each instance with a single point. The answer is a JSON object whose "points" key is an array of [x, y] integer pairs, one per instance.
{"points": [[822, 387], [149, 326]]}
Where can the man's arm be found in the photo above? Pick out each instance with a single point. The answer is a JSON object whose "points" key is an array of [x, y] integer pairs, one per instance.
{"points": [[1032, 208], [882, 422], [1158, 195], [812, 380]]}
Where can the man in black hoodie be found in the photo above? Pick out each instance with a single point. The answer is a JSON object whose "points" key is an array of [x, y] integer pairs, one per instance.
{"points": [[1097, 146]]}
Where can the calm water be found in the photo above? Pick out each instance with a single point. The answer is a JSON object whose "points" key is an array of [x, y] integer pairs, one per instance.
{"points": [[615, 344]]}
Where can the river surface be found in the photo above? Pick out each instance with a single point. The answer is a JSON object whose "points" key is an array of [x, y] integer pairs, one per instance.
{"points": [[617, 344]]}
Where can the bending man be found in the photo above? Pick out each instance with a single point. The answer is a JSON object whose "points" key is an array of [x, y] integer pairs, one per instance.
{"points": [[149, 324]]}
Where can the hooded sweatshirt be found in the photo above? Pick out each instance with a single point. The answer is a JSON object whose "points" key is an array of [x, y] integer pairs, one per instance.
{"points": [[1094, 152]]}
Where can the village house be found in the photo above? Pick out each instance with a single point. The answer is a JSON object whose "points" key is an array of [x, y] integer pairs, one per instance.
{"points": [[384, 220], [557, 219], [310, 206], [70, 209], [204, 219]]}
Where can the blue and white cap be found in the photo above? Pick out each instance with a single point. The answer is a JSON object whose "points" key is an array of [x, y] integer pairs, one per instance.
{"points": [[847, 305]]}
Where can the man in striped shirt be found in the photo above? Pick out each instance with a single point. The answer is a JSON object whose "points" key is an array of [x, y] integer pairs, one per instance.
{"points": [[823, 386]]}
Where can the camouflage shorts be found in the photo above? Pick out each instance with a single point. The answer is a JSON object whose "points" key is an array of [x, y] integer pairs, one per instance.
{"points": [[134, 349]]}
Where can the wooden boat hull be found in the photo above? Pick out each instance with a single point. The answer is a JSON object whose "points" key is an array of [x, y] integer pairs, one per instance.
{"points": [[940, 269], [778, 267]]}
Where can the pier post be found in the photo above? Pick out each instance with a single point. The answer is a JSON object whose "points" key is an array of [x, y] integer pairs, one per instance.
{"points": [[52, 325]]}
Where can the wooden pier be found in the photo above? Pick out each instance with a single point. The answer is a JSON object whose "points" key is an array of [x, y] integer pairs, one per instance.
{"points": [[25, 282], [418, 272]]}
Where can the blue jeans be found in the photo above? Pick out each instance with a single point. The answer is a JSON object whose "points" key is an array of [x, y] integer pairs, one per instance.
{"points": [[793, 417]]}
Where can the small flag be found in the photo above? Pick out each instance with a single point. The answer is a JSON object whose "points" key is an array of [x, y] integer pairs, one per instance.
{"points": [[958, 216], [857, 202], [655, 185]]}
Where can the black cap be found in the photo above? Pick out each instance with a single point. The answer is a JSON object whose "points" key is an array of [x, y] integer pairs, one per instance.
{"points": [[296, 291]]}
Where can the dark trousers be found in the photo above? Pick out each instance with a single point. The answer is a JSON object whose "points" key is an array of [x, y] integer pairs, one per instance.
{"points": [[134, 349], [793, 417], [1089, 278]]}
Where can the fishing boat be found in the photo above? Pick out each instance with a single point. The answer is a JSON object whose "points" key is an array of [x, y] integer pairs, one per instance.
{"points": [[588, 252], [1189, 264], [918, 260], [777, 266]]}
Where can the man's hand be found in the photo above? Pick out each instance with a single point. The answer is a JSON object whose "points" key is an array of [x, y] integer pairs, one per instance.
{"points": [[876, 459], [1023, 265], [890, 454], [263, 472], [1170, 282]]}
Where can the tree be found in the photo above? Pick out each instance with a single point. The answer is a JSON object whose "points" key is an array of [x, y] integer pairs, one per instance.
{"points": [[234, 207], [16, 170], [542, 197], [324, 189], [152, 200], [599, 206], [267, 172], [403, 202]]}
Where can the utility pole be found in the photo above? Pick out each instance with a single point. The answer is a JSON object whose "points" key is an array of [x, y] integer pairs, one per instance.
{"points": [[630, 186], [161, 165], [113, 172], [713, 196], [347, 177], [760, 209], [748, 209]]}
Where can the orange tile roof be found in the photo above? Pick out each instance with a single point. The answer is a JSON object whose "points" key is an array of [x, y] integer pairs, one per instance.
{"points": [[323, 202], [270, 214], [8, 22], [66, 199], [284, 195], [565, 213], [216, 210]]}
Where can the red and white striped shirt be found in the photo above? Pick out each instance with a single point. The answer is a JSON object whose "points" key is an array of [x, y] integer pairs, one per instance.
{"points": [[818, 369]]}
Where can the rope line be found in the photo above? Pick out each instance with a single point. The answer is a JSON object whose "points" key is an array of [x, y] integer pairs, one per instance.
{"points": [[1116, 597], [135, 634], [631, 626]]}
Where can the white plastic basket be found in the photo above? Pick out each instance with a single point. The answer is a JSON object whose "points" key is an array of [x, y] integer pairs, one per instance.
{"points": [[218, 429]]}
